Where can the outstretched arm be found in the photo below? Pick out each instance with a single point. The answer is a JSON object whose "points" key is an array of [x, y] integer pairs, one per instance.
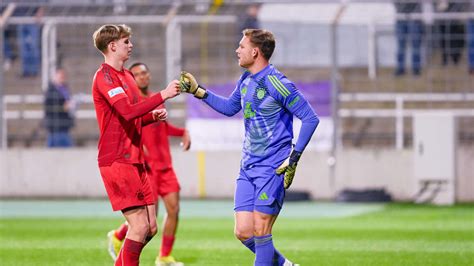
{"points": [[226, 106], [131, 111]]}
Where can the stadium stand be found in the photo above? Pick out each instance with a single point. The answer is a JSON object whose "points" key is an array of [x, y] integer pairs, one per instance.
{"points": [[207, 49]]}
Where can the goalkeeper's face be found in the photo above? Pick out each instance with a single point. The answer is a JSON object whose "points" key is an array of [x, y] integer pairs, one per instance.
{"points": [[141, 75], [246, 53]]}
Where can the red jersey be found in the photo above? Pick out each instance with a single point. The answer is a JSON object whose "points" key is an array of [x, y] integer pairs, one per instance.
{"points": [[156, 143], [120, 140]]}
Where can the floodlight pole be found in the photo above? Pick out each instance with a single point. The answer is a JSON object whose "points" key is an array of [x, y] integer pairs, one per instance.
{"points": [[3, 22], [2, 108], [332, 160]]}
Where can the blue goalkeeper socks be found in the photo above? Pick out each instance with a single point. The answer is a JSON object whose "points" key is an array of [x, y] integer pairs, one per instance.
{"points": [[278, 259], [250, 244], [264, 250]]}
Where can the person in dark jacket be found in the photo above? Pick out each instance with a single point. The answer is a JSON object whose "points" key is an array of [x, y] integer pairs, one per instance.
{"points": [[470, 39], [58, 108], [249, 20], [452, 31]]}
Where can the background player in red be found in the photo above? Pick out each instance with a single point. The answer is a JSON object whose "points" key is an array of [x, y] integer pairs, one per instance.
{"points": [[161, 173], [121, 116]]}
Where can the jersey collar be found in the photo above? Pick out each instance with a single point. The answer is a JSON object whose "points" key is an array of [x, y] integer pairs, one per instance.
{"points": [[259, 75]]}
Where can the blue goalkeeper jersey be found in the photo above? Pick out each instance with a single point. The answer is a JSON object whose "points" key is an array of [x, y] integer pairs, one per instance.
{"points": [[269, 100]]}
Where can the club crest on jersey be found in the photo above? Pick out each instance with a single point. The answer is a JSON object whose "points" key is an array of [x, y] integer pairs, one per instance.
{"points": [[260, 93], [115, 91]]}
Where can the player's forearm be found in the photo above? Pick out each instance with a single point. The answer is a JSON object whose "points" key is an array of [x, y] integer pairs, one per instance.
{"points": [[225, 106], [147, 119], [174, 131], [309, 123], [132, 111]]}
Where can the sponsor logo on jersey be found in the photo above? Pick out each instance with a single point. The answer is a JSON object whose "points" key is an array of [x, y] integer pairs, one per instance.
{"points": [[243, 91], [248, 112], [295, 100], [115, 91]]}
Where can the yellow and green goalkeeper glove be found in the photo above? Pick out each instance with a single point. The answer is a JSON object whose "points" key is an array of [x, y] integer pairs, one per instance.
{"points": [[289, 168], [188, 83]]}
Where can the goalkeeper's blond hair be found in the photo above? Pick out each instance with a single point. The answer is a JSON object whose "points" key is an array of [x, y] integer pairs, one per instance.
{"points": [[262, 39], [108, 33]]}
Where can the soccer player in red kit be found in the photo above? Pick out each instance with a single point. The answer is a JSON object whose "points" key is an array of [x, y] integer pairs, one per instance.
{"points": [[121, 116], [161, 174]]}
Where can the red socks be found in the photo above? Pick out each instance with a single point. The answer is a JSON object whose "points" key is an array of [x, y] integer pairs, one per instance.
{"points": [[166, 245], [130, 253], [121, 232]]}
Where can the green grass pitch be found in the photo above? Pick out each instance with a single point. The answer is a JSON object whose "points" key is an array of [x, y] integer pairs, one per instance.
{"points": [[397, 234]]}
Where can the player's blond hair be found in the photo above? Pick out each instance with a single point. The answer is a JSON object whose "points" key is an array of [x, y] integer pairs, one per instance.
{"points": [[109, 33], [263, 39]]}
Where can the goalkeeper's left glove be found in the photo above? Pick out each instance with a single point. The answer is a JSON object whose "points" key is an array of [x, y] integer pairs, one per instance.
{"points": [[289, 168], [188, 83]]}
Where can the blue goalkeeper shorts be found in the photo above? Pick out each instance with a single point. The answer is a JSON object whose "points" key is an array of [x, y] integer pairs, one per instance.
{"points": [[259, 189]]}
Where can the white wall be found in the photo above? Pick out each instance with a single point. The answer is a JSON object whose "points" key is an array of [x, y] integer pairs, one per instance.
{"points": [[303, 32], [74, 173]]}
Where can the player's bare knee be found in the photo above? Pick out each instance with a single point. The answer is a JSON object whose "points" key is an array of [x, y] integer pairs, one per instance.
{"points": [[243, 234], [258, 232], [173, 210], [261, 229], [139, 229], [153, 230]]}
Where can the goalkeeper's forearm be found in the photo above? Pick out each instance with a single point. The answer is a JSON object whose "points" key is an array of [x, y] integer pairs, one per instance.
{"points": [[308, 126], [226, 106]]}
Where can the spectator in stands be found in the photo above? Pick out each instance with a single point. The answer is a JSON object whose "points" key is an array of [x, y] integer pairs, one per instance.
{"points": [[8, 55], [408, 29], [58, 107], [9, 31], [470, 39], [451, 31], [249, 20], [29, 40]]}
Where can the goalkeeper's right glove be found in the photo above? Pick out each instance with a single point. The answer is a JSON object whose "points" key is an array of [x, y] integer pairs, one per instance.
{"points": [[289, 168], [188, 83]]}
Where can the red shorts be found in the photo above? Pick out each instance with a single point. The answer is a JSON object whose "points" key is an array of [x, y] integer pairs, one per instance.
{"points": [[163, 181], [127, 185]]}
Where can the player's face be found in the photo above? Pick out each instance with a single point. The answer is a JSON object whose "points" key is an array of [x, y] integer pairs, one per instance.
{"points": [[246, 53], [60, 77], [123, 48], [141, 75]]}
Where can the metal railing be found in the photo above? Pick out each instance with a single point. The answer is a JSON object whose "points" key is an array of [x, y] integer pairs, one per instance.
{"points": [[372, 78]]}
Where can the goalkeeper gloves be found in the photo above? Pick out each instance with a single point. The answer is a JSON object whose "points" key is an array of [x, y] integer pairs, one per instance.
{"points": [[289, 168], [188, 83]]}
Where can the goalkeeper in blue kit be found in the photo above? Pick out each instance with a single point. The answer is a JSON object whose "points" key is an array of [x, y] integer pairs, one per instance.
{"points": [[269, 100]]}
